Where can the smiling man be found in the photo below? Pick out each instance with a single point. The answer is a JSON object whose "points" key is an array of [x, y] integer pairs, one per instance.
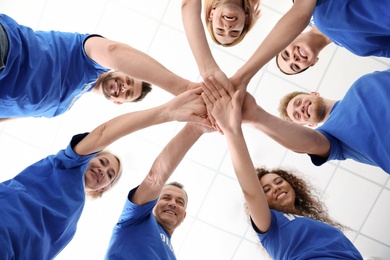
{"points": [[46, 72], [305, 108], [154, 210]]}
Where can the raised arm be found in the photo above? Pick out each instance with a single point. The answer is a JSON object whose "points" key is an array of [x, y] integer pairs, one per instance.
{"points": [[122, 57], [283, 33], [227, 112], [166, 163], [193, 26], [295, 137], [188, 106]]}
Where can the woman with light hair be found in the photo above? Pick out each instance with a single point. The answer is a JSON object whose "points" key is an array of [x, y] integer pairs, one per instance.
{"points": [[40, 207]]}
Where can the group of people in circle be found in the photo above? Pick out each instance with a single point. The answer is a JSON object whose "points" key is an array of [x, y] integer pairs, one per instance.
{"points": [[42, 204]]}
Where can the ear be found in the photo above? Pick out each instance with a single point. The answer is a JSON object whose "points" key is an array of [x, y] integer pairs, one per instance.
{"points": [[315, 93], [211, 15], [314, 62], [118, 102], [185, 214], [246, 19], [312, 125]]}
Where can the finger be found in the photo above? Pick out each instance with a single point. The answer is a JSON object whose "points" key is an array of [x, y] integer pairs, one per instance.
{"points": [[207, 101], [212, 87], [238, 99], [221, 90], [212, 119]]}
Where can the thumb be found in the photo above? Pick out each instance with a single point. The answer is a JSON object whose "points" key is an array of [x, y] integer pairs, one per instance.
{"points": [[238, 98]]}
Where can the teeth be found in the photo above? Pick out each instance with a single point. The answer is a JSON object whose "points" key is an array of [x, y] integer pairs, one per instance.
{"points": [[303, 54], [229, 18], [281, 195]]}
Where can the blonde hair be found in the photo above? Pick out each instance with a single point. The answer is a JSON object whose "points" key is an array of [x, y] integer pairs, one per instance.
{"points": [[284, 103], [97, 193], [251, 9]]}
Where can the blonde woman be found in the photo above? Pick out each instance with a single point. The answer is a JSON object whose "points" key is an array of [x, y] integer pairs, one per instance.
{"points": [[228, 21], [40, 207]]}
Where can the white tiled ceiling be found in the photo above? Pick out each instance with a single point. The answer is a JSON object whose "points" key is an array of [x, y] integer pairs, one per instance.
{"points": [[216, 226]]}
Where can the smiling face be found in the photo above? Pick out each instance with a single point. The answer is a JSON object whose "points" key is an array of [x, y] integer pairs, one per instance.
{"points": [[101, 172], [119, 87], [170, 209], [307, 109], [297, 56], [228, 21], [280, 195]]}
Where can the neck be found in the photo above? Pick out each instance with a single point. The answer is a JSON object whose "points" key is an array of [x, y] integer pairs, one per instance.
{"points": [[318, 39], [329, 104], [98, 85]]}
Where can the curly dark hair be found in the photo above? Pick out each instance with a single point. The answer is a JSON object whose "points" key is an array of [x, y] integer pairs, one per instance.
{"points": [[307, 201]]}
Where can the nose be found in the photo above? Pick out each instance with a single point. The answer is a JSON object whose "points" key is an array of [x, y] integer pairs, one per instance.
{"points": [[123, 89], [228, 26], [296, 57], [172, 204]]}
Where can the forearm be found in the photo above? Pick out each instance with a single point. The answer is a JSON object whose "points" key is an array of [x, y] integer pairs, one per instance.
{"points": [[191, 16], [294, 137], [250, 185], [120, 126], [165, 164], [283, 33], [122, 57]]}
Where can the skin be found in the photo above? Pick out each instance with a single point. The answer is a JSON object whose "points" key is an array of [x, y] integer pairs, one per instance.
{"points": [[101, 172], [225, 107], [279, 193], [116, 56], [309, 109], [193, 26], [284, 32], [122, 88], [188, 106], [302, 52], [153, 186], [228, 20], [170, 210]]}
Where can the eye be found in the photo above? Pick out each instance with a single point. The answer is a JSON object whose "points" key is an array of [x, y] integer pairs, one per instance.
{"points": [[266, 190], [102, 161], [110, 174], [285, 54], [296, 67]]}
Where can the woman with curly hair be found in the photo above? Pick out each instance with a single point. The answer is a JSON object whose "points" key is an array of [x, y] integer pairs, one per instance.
{"points": [[228, 22], [289, 221]]}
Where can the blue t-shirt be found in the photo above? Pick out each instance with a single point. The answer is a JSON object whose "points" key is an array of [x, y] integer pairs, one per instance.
{"points": [[361, 26], [40, 207], [137, 235], [296, 237], [357, 127], [45, 72]]}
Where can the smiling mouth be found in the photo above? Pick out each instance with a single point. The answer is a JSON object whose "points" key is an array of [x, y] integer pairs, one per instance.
{"points": [[281, 195], [302, 53], [170, 212], [229, 18]]}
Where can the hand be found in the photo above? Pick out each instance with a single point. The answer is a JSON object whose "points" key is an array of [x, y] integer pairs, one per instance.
{"points": [[223, 81], [226, 110], [238, 83], [249, 109], [193, 85], [189, 106]]}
